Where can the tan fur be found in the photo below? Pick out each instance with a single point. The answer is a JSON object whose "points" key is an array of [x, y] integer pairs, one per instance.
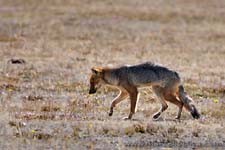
{"points": [[168, 88]]}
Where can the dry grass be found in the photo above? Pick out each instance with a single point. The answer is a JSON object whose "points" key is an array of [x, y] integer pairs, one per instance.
{"points": [[45, 102]]}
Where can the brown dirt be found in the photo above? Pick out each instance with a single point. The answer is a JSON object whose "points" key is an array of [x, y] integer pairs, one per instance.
{"points": [[45, 102]]}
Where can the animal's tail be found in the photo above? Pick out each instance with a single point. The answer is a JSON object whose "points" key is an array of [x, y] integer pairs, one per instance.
{"points": [[188, 103]]}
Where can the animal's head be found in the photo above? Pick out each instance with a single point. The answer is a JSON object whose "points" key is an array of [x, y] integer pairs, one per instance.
{"points": [[95, 79]]}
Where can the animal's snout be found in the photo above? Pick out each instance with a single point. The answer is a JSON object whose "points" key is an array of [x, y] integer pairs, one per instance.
{"points": [[92, 91]]}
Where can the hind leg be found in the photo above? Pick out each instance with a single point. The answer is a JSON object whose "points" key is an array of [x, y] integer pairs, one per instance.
{"points": [[173, 99], [133, 93], [159, 93], [179, 112], [170, 94]]}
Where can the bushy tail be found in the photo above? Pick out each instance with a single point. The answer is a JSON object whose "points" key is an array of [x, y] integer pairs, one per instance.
{"points": [[188, 103]]}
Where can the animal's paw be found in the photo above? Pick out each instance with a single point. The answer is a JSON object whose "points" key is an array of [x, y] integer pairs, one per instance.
{"points": [[177, 118], [110, 113], [156, 116], [126, 118]]}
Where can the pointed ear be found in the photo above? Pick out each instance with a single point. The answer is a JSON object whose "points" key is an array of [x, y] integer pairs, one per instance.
{"points": [[97, 70]]}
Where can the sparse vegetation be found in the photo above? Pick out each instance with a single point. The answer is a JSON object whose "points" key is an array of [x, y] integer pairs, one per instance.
{"points": [[48, 47]]}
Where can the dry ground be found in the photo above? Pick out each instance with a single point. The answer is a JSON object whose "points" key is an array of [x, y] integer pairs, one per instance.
{"points": [[45, 102]]}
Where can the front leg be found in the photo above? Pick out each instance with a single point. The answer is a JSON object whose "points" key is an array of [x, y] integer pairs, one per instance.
{"points": [[179, 112], [121, 96], [159, 93]]}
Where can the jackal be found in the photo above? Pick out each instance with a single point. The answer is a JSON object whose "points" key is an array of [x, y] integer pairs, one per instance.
{"points": [[166, 84]]}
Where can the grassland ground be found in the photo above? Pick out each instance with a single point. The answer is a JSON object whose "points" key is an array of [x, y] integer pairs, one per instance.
{"points": [[45, 102]]}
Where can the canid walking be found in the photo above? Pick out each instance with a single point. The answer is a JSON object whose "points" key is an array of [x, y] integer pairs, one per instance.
{"points": [[165, 83]]}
